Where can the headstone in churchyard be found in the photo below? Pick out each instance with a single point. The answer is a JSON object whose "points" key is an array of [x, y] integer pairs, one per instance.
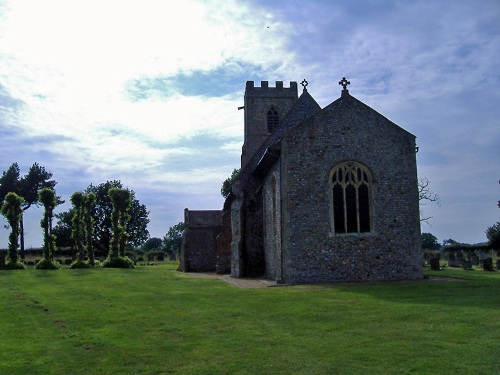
{"points": [[452, 260], [435, 264], [498, 264], [467, 264], [474, 259], [488, 264]]}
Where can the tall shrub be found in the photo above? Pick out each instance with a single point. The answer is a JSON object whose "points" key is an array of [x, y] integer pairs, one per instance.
{"points": [[48, 198], [12, 211], [78, 228], [121, 200], [88, 205]]}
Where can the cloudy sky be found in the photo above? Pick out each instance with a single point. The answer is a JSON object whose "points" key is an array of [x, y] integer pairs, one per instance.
{"points": [[147, 91]]}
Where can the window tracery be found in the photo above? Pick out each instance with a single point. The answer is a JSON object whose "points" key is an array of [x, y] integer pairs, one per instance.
{"points": [[350, 198]]}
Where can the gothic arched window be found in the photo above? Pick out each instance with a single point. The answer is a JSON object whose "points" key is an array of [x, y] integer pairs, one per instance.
{"points": [[273, 119], [350, 198]]}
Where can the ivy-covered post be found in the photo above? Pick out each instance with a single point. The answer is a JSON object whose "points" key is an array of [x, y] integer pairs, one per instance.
{"points": [[121, 200], [12, 211], [77, 230], [89, 201]]}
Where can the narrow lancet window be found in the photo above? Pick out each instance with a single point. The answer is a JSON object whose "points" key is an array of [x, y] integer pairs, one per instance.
{"points": [[273, 119]]}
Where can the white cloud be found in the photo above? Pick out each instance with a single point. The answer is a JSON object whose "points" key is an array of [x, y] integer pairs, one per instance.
{"points": [[97, 92]]}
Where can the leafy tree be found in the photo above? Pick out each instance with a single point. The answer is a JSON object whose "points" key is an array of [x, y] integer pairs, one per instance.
{"points": [[77, 224], [449, 242], [429, 242], [48, 198], [102, 214], [121, 200], [226, 185], [88, 205], [9, 182], [12, 211], [172, 241], [152, 243], [493, 235], [27, 187], [62, 230], [425, 194]]}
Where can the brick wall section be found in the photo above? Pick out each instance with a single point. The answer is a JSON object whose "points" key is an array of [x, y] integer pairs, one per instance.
{"points": [[223, 263], [348, 130], [199, 240]]}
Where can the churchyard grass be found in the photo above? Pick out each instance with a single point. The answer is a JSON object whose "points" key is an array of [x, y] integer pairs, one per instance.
{"points": [[154, 320]]}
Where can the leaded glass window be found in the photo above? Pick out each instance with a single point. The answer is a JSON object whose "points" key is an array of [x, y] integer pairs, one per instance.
{"points": [[350, 185]]}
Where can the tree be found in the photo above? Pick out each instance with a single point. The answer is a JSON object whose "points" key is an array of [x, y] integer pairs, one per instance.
{"points": [[121, 205], [172, 241], [9, 182], [12, 211], [121, 200], [449, 241], [425, 194], [62, 230], [88, 206], [102, 213], [27, 187], [152, 243], [429, 242], [226, 185], [48, 198], [493, 235], [77, 225]]}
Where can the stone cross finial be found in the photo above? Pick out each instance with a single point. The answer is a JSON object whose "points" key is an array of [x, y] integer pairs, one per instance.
{"points": [[344, 82], [304, 84]]}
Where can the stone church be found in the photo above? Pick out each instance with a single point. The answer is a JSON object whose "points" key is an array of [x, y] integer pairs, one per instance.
{"points": [[323, 195]]}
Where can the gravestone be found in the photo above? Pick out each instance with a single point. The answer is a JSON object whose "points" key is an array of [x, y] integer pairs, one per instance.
{"points": [[467, 264], [435, 264], [488, 264], [498, 264], [474, 259]]}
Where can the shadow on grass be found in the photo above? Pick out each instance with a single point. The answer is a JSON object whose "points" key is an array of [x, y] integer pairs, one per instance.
{"points": [[457, 288]]}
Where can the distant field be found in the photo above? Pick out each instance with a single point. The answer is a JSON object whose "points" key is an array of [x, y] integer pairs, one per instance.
{"points": [[154, 320]]}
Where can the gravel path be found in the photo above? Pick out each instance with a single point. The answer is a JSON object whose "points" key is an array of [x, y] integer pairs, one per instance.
{"points": [[240, 282]]}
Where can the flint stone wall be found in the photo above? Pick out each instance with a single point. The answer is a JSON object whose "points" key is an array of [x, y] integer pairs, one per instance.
{"points": [[348, 130]]}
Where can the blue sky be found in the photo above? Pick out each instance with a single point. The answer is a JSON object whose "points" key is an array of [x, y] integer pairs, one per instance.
{"points": [[147, 92]]}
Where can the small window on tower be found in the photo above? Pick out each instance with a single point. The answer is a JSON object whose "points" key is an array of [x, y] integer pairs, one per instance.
{"points": [[272, 119]]}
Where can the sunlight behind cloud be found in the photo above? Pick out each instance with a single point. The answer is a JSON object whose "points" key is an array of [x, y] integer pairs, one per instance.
{"points": [[148, 91]]}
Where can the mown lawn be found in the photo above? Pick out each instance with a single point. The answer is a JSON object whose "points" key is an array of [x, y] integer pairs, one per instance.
{"points": [[154, 320]]}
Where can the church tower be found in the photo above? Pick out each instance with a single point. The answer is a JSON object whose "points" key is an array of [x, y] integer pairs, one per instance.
{"points": [[265, 107]]}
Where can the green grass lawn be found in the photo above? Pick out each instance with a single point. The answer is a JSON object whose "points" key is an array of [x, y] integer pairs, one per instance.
{"points": [[154, 320]]}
